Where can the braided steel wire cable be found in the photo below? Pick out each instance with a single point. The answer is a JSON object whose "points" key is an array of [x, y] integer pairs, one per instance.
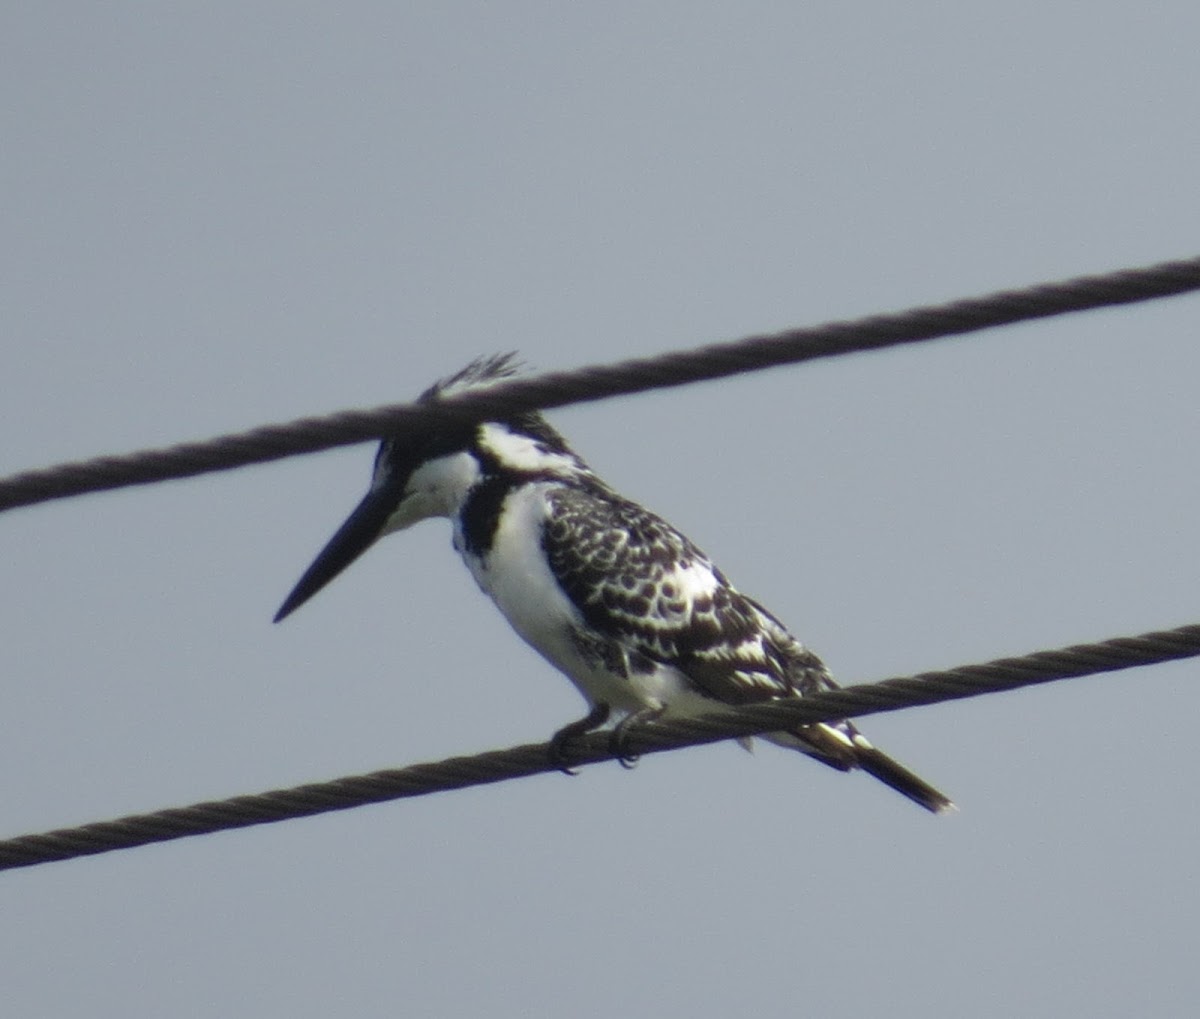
{"points": [[531, 759], [556, 389]]}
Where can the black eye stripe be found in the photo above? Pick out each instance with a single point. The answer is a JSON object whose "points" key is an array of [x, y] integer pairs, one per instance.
{"points": [[402, 455]]}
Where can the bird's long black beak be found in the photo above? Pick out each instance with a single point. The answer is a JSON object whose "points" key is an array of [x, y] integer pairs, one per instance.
{"points": [[352, 539]]}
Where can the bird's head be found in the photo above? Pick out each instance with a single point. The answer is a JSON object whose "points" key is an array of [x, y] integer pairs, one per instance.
{"points": [[431, 472]]}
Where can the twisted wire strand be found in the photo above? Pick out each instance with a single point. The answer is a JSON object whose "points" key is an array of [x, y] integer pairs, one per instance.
{"points": [[531, 759], [556, 389]]}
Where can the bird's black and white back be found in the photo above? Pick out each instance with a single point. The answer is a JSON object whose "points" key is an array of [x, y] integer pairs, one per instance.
{"points": [[630, 610]]}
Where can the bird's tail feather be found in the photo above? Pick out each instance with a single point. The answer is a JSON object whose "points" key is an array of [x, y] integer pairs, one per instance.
{"points": [[892, 773], [840, 745]]}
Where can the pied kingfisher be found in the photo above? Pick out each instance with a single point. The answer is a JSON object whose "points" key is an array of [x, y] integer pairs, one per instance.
{"points": [[633, 613]]}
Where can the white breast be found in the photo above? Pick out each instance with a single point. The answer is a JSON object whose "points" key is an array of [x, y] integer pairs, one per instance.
{"points": [[517, 577], [515, 574]]}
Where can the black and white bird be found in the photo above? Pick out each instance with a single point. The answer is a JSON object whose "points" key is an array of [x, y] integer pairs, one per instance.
{"points": [[633, 613]]}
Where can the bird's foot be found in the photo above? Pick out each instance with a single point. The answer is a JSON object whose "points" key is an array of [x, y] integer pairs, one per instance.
{"points": [[558, 742], [618, 741]]}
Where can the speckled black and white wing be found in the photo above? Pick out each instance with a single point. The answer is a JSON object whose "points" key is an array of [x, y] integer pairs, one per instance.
{"points": [[639, 582], [643, 586]]}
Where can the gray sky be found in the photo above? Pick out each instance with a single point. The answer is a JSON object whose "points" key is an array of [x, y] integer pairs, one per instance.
{"points": [[215, 216]]}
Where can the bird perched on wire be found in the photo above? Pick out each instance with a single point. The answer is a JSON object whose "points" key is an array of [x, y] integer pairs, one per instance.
{"points": [[633, 613]]}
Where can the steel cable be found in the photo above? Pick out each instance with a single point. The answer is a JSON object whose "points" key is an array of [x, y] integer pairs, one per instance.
{"points": [[556, 389], [531, 759]]}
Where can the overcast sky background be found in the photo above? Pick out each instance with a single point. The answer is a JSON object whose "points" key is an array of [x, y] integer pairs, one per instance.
{"points": [[217, 216]]}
